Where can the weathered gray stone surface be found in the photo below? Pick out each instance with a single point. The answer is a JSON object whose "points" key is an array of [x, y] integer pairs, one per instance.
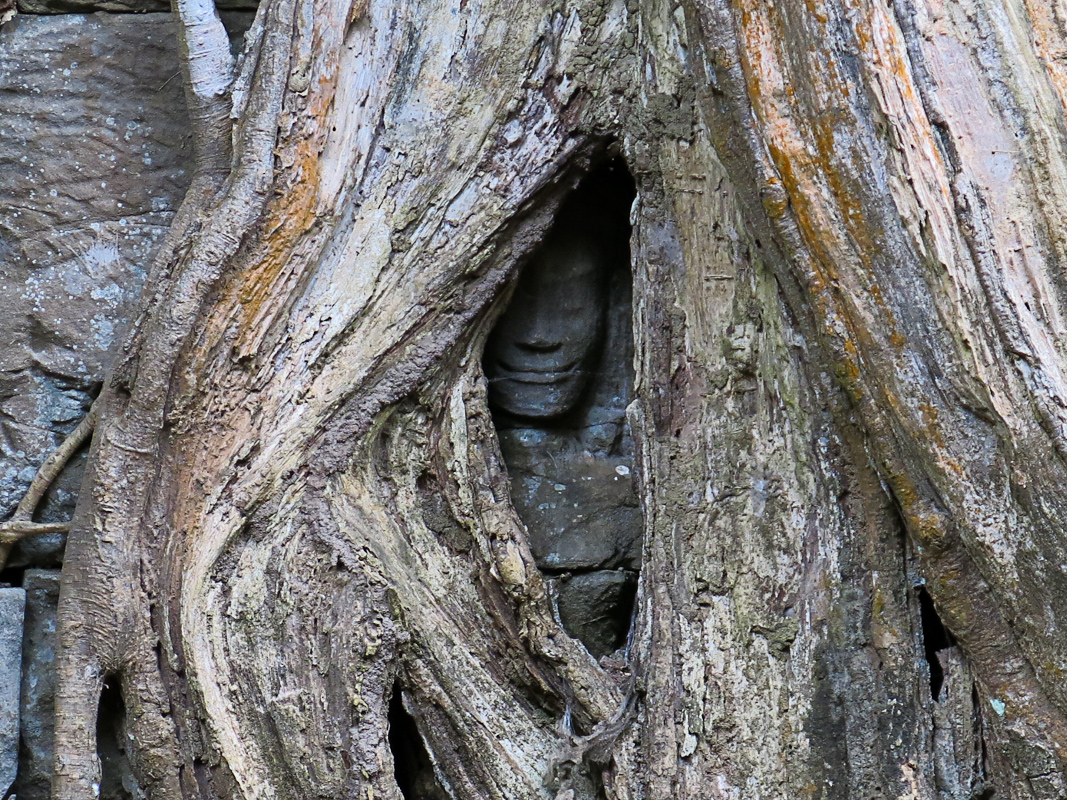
{"points": [[580, 508], [94, 159], [595, 607], [12, 603], [37, 704], [559, 364]]}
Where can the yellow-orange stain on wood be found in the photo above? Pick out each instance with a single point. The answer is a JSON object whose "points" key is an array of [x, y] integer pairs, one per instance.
{"points": [[1046, 29], [925, 527], [291, 213], [929, 415], [826, 201], [357, 11]]}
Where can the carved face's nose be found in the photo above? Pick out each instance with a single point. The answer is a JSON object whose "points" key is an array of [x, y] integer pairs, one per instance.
{"points": [[539, 344]]}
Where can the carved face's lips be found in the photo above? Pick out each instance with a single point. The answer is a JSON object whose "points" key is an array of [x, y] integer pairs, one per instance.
{"points": [[536, 394], [534, 375]]}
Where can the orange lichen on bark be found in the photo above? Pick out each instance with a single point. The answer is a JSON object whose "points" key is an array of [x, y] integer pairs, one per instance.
{"points": [[291, 214], [1046, 23], [819, 181], [804, 161]]}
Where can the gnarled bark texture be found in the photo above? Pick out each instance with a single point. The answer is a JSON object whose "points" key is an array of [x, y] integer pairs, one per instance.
{"points": [[849, 327]]}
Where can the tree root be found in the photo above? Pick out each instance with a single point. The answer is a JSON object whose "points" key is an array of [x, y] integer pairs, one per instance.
{"points": [[21, 523]]}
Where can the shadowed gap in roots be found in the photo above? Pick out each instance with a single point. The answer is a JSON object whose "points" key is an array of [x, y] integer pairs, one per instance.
{"points": [[117, 781], [936, 637], [411, 762]]}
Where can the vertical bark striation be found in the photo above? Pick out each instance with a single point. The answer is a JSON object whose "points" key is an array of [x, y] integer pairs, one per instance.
{"points": [[907, 161]]}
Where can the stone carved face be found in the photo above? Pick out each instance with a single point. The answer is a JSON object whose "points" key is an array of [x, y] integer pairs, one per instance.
{"points": [[540, 355]]}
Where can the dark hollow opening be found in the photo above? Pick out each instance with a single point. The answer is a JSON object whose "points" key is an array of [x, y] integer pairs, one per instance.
{"points": [[936, 637], [563, 329], [560, 368], [412, 766], [117, 781]]}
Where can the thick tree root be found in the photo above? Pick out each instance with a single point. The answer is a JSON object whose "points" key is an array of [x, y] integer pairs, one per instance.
{"points": [[21, 523]]}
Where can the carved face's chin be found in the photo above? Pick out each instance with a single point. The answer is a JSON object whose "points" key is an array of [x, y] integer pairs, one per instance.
{"points": [[537, 395]]}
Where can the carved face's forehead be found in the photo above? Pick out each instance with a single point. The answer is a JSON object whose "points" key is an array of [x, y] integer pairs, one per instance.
{"points": [[558, 286], [562, 262]]}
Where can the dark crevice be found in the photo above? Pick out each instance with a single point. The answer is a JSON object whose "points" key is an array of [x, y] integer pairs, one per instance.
{"points": [[936, 637], [559, 362], [412, 766], [117, 781], [623, 618], [983, 758], [566, 572]]}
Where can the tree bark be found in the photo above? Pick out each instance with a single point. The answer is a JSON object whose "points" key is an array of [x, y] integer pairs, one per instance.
{"points": [[850, 400]]}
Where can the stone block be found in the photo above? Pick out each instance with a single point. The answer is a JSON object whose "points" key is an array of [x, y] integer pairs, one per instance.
{"points": [[596, 607], [12, 605], [580, 509], [37, 705]]}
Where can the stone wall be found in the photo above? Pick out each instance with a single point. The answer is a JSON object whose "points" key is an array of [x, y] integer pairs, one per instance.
{"points": [[95, 156]]}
